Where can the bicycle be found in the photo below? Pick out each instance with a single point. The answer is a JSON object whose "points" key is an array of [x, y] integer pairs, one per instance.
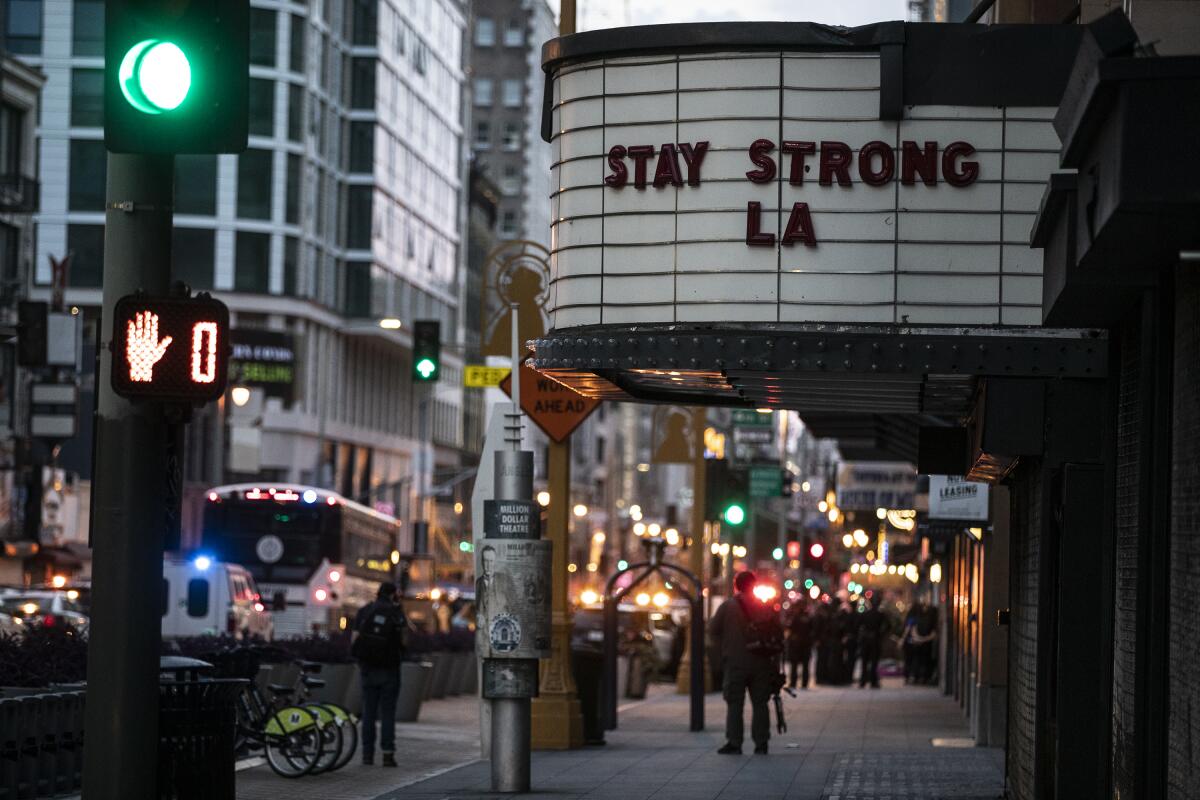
{"points": [[333, 714], [292, 737]]}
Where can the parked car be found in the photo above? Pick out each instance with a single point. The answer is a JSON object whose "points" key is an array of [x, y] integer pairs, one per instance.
{"points": [[203, 596], [633, 627], [10, 624], [45, 607]]}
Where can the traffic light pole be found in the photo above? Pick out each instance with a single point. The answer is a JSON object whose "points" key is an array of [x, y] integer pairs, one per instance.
{"points": [[130, 504]]}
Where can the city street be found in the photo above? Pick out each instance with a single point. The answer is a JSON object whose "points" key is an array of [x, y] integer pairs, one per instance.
{"points": [[842, 743]]}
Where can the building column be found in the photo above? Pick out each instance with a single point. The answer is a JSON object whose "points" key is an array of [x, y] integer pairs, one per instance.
{"points": [[557, 719], [989, 722]]}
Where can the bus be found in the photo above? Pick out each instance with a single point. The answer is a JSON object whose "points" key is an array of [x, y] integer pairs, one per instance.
{"points": [[316, 556]]}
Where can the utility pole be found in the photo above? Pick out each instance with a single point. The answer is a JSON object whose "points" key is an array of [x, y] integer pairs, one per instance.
{"points": [[559, 717], [130, 503]]}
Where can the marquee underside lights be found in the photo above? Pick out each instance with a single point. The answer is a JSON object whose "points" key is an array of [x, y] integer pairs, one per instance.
{"points": [[170, 349]]}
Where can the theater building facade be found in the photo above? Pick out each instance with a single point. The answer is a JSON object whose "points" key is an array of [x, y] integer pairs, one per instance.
{"points": [[890, 230]]}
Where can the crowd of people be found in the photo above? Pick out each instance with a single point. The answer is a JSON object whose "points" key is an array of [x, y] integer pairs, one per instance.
{"points": [[751, 639], [844, 635]]}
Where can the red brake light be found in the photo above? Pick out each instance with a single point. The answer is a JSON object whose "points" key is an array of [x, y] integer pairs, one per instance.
{"points": [[49, 621]]}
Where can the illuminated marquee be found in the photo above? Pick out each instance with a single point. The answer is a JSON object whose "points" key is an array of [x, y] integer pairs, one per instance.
{"points": [[170, 349]]}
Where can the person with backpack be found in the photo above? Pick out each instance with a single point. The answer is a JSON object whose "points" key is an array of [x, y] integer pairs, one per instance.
{"points": [[749, 638], [377, 642]]}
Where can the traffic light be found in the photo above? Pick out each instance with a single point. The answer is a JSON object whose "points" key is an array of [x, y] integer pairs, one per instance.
{"points": [[176, 76], [170, 349], [814, 554], [793, 549], [427, 350], [727, 493]]}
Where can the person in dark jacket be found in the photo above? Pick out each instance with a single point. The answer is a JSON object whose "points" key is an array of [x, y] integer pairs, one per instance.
{"points": [[872, 625], [378, 643], [799, 645], [743, 670], [825, 631], [847, 622]]}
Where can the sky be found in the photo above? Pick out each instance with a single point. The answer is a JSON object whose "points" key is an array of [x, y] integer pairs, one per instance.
{"points": [[593, 14]]}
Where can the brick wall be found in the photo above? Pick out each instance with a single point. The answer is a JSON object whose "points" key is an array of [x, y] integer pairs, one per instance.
{"points": [[1129, 430], [1183, 721], [1023, 631]]}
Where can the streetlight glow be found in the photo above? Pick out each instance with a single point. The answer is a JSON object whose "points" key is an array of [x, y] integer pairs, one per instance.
{"points": [[580, 510], [543, 498]]}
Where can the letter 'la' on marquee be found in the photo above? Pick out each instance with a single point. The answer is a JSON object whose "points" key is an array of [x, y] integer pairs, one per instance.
{"points": [[170, 349]]}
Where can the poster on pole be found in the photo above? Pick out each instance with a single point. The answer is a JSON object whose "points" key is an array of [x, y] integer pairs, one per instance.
{"points": [[512, 598], [954, 497]]}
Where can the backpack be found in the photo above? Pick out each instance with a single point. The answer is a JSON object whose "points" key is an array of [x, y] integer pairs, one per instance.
{"points": [[764, 633], [379, 639]]}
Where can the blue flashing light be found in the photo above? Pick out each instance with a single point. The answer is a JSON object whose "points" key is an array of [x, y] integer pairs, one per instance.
{"points": [[202, 563], [309, 496]]}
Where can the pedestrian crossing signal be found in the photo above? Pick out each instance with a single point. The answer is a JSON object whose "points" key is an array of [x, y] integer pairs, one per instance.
{"points": [[170, 349]]}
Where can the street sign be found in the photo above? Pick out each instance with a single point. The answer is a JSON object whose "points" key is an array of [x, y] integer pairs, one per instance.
{"points": [[264, 359], [171, 349], [766, 482], [750, 418], [557, 409], [480, 376]]}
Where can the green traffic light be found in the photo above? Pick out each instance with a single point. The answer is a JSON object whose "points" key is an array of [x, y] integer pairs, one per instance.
{"points": [[777, 554], [425, 368], [735, 514], [155, 76]]}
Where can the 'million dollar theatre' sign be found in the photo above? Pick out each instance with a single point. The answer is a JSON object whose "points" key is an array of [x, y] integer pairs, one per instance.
{"points": [[797, 173], [875, 164]]}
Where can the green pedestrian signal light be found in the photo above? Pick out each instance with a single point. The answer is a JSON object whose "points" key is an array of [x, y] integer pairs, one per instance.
{"points": [[777, 554], [427, 350], [155, 76], [425, 368], [734, 514]]}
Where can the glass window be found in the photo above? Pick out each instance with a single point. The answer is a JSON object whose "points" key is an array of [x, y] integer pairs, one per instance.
{"points": [[511, 183], [262, 37], [514, 33], [362, 82], [88, 167], [483, 91], [254, 184], [291, 265], [87, 98], [512, 93], [196, 184], [358, 217], [12, 138], [362, 146], [291, 212], [483, 135], [296, 46], [192, 256], [401, 37], [295, 122], [362, 15], [420, 57], [357, 296], [87, 28], [197, 597], [252, 262], [508, 223], [485, 32], [262, 106], [23, 27], [511, 137], [85, 243]]}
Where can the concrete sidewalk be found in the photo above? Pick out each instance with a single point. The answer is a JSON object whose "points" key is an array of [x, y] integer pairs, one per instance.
{"points": [[842, 744]]}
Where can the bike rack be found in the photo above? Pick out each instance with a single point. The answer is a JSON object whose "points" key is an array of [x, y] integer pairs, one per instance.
{"points": [[612, 598]]}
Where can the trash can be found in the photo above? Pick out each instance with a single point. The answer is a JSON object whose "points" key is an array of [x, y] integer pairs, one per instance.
{"points": [[197, 724], [587, 667]]}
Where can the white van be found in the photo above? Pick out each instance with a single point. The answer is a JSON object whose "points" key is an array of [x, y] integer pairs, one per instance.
{"points": [[203, 596]]}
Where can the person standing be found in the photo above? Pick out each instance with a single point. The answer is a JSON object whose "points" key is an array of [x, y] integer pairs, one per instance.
{"points": [[750, 640], [377, 642], [799, 645], [871, 627]]}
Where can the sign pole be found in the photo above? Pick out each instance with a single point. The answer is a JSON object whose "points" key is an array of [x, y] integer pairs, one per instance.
{"points": [[698, 552], [130, 503]]}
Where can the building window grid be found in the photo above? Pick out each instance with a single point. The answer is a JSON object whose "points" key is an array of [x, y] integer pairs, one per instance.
{"points": [[485, 32], [511, 92], [514, 33]]}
